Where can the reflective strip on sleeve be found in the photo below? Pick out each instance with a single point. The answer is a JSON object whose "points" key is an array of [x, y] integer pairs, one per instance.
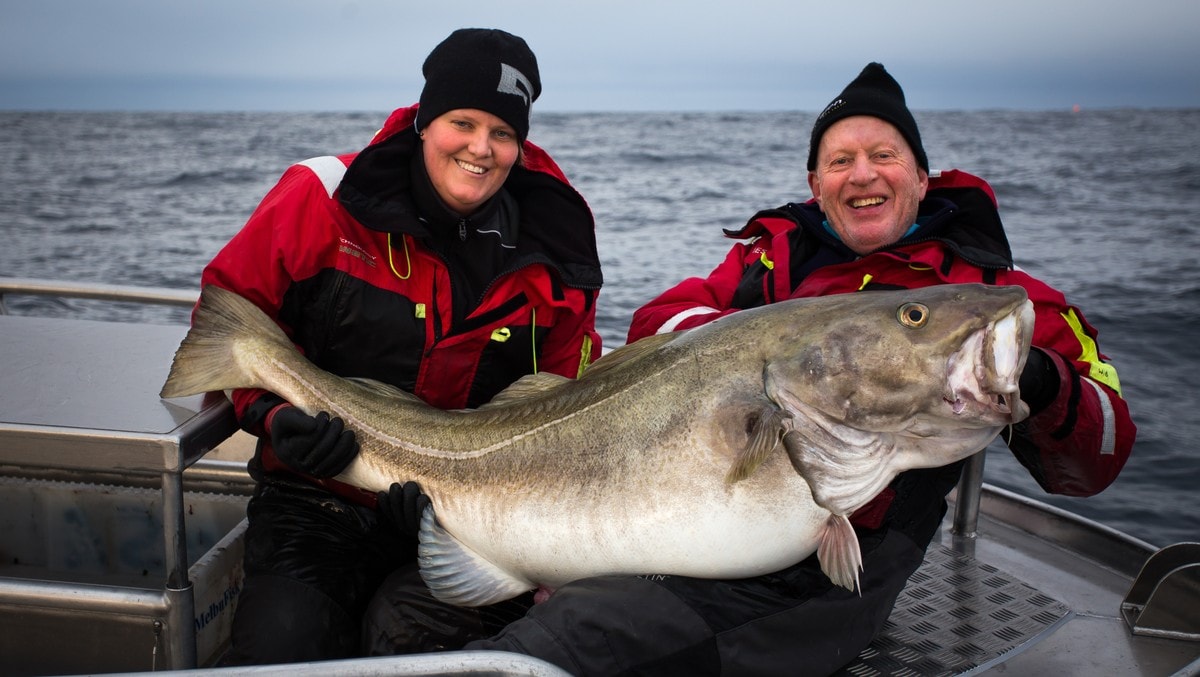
{"points": [[669, 325], [1108, 440]]}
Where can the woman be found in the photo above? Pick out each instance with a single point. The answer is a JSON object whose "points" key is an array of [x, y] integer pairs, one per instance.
{"points": [[449, 258]]}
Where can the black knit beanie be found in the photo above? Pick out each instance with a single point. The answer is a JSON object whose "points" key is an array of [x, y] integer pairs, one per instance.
{"points": [[876, 93], [481, 68]]}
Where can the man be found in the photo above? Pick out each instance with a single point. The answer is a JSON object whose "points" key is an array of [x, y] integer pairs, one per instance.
{"points": [[878, 220]]}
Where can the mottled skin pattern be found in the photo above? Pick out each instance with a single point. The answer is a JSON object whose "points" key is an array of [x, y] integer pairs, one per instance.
{"points": [[649, 463]]}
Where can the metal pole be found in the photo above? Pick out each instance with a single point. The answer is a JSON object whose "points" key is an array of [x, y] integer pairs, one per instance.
{"points": [[970, 490], [181, 635]]}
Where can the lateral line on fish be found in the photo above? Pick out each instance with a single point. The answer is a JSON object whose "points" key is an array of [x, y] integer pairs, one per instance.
{"points": [[304, 385], [449, 454]]}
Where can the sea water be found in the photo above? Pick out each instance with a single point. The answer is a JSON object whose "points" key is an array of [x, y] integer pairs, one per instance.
{"points": [[1097, 203]]}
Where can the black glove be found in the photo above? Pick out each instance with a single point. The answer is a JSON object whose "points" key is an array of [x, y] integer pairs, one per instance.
{"points": [[1039, 381], [317, 446], [402, 505]]}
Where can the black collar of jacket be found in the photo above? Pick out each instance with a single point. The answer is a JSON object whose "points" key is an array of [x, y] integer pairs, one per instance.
{"points": [[442, 222], [556, 225], [964, 219]]}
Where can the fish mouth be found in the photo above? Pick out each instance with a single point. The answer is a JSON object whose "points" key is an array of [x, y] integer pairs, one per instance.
{"points": [[984, 373]]}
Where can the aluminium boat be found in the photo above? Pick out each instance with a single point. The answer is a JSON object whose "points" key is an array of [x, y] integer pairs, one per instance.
{"points": [[122, 517]]}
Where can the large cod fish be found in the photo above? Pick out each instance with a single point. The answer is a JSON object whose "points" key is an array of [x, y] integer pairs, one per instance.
{"points": [[734, 449]]}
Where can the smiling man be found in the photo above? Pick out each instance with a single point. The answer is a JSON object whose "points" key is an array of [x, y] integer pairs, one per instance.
{"points": [[879, 219]]}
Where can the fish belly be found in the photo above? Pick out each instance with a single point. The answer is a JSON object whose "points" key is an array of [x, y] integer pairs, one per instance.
{"points": [[729, 533]]}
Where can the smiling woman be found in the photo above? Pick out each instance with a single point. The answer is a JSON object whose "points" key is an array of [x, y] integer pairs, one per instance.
{"points": [[434, 261]]}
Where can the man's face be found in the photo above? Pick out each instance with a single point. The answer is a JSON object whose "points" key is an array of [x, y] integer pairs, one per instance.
{"points": [[867, 181]]}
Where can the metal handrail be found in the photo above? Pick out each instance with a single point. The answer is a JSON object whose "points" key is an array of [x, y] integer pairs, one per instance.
{"points": [[164, 296]]}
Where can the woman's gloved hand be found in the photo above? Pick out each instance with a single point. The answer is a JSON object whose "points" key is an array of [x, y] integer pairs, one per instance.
{"points": [[402, 505], [318, 446]]}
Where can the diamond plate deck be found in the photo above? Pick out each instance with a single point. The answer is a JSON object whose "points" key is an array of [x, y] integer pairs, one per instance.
{"points": [[957, 616]]}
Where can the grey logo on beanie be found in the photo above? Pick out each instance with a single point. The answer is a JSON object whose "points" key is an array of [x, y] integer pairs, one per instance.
{"points": [[837, 103], [510, 78]]}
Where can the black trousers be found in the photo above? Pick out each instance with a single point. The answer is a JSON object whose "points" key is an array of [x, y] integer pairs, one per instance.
{"points": [[794, 622], [312, 563]]}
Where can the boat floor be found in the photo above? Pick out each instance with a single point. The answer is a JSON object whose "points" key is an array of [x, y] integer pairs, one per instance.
{"points": [[1062, 616]]}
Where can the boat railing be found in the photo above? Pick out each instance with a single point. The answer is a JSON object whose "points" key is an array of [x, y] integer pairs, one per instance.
{"points": [[96, 291], [204, 472]]}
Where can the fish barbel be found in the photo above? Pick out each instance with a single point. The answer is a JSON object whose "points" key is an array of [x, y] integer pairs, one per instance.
{"points": [[734, 449]]}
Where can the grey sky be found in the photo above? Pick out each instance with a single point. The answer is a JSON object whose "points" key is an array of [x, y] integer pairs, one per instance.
{"points": [[610, 55]]}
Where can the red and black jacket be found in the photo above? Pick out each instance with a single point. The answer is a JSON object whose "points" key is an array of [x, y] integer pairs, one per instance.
{"points": [[1075, 445], [339, 254]]}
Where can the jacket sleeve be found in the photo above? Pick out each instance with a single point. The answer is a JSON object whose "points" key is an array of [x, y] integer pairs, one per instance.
{"points": [[1078, 443], [257, 263], [694, 301], [572, 343]]}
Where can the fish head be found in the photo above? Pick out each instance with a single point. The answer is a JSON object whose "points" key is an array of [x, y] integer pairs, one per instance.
{"points": [[921, 361], [877, 383]]}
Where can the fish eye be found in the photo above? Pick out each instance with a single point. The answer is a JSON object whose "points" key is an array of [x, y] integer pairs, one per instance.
{"points": [[913, 315]]}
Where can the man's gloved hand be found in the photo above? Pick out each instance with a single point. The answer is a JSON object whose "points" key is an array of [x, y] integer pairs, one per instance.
{"points": [[318, 446], [402, 505], [1039, 381]]}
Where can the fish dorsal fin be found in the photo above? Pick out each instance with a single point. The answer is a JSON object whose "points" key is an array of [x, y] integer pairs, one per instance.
{"points": [[765, 434], [527, 386], [385, 389], [457, 575], [839, 554], [628, 352]]}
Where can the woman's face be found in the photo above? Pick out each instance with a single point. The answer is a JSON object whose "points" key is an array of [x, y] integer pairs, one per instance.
{"points": [[468, 154]]}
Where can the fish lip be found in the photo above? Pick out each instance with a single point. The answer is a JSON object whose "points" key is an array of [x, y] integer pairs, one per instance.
{"points": [[990, 388]]}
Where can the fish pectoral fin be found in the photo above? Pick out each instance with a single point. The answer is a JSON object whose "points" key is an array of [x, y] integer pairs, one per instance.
{"points": [[458, 575], [839, 554], [766, 430]]}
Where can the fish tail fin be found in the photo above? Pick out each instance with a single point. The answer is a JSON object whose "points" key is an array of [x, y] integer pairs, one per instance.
{"points": [[839, 554], [207, 358]]}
